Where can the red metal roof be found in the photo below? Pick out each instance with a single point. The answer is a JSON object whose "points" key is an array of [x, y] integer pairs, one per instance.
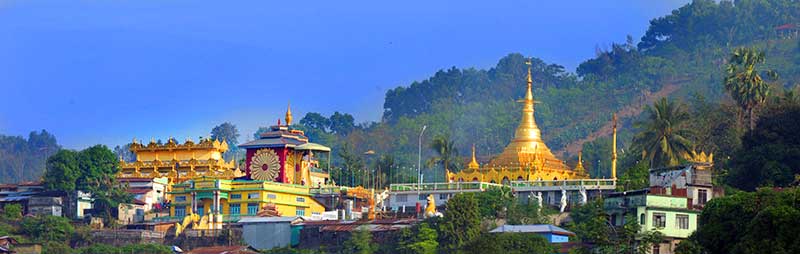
{"points": [[138, 190], [786, 26], [135, 179]]}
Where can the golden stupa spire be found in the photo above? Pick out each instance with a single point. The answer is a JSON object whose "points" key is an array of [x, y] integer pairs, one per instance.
{"points": [[579, 167], [474, 163], [288, 114], [527, 139], [527, 130]]}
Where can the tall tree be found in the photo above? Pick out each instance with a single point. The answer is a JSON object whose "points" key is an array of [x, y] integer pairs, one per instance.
{"points": [[461, 222], [664, 137], [124, 152], [446, 153], [62, 171], [744, 80], [342, 124], [227, 132]]}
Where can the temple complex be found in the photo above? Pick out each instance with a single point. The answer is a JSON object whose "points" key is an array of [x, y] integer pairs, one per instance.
{"points": [[526, 158], [280, 171]]}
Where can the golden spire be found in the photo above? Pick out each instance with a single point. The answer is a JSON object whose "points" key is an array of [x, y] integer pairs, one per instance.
{"points": [[579, 167], [614, 148], [474, 163], [288, 114], [527, 139]]}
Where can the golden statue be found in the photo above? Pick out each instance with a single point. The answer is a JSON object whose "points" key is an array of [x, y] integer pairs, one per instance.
{"points": [[430, 210]]}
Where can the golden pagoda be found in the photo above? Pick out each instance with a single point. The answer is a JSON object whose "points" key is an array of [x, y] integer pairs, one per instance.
{"points": [[179, 162], [527, 157]]}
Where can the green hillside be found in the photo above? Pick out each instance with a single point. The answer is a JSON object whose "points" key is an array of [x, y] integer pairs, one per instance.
{"points": [[685, 50]]}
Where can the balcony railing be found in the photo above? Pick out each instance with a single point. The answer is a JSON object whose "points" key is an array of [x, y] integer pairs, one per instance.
{"points": [[443, 186]]}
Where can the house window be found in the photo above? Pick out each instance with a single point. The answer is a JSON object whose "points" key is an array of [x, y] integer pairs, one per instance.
{"points": [[401, 198], [252, 208], [657, 248], [271, 196], [236, 196], [180, 198], [442, 196], [642, 219], [682, 221], [235, 209], [180, 211], [300, 199], [252, 195], [702, 197], [614, 219], [659, 220], [300, 211]]}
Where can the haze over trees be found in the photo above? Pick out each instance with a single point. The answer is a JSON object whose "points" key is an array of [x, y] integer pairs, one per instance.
{"points": [[24, 159]]}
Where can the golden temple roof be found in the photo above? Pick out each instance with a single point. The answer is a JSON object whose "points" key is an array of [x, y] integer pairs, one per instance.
{"points": [[527, 148]]}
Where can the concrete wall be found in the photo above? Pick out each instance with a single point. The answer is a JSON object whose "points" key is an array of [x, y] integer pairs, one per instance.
{"points": [[265, 236]]}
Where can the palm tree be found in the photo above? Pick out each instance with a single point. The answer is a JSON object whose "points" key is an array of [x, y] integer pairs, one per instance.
{"points": [[664, 137], [744, 81], [447, 154]]}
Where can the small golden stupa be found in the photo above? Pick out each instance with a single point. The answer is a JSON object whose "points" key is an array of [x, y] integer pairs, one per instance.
{"points": [[527, 157]]}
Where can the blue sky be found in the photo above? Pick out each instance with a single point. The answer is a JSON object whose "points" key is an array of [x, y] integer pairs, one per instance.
{"points": [[108, 71]]}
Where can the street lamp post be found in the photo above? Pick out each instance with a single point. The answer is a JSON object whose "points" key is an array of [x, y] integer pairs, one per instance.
{"points": [[419, 159]]}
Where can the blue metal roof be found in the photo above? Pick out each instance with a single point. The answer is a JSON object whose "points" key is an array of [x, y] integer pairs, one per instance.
{"points": [[535, 228]]}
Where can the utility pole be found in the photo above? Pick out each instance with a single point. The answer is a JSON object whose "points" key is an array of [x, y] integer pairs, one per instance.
{"points": [[419, 159]]}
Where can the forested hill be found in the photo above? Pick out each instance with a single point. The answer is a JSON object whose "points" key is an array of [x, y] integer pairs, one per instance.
{"points": [[686, 49], [24, 159]]}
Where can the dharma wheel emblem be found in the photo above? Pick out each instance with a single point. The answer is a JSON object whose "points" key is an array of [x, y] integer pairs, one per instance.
{"points": [[264, 165]]}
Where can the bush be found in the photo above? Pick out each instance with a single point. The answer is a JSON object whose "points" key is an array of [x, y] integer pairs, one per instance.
{"points": [[47, 228], [99, 249], [146, 248], [510, 243], [12, 212], [56, 248]]}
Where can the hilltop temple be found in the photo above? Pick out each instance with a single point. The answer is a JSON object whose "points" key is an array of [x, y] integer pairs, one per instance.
{"points": [[526, 158]]}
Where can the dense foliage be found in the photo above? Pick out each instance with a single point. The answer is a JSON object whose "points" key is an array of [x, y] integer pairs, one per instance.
{"points": [[461, 222], [770, 154], [589, 222], [360, 242], [511, 243], [92, 170], [766, 221]]}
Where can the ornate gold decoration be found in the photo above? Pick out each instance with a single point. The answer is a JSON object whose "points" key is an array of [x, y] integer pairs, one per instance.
{"points": [[265, 165], [474, 163], [288, 114]]}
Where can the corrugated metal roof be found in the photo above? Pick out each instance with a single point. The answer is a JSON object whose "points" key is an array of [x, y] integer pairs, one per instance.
{"points": [[268, 219], [536, 228]]}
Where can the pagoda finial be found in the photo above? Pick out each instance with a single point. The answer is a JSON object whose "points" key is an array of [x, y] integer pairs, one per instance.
{"points": [[529, 93], [579, 167], [474, 163], [288, 114]]}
